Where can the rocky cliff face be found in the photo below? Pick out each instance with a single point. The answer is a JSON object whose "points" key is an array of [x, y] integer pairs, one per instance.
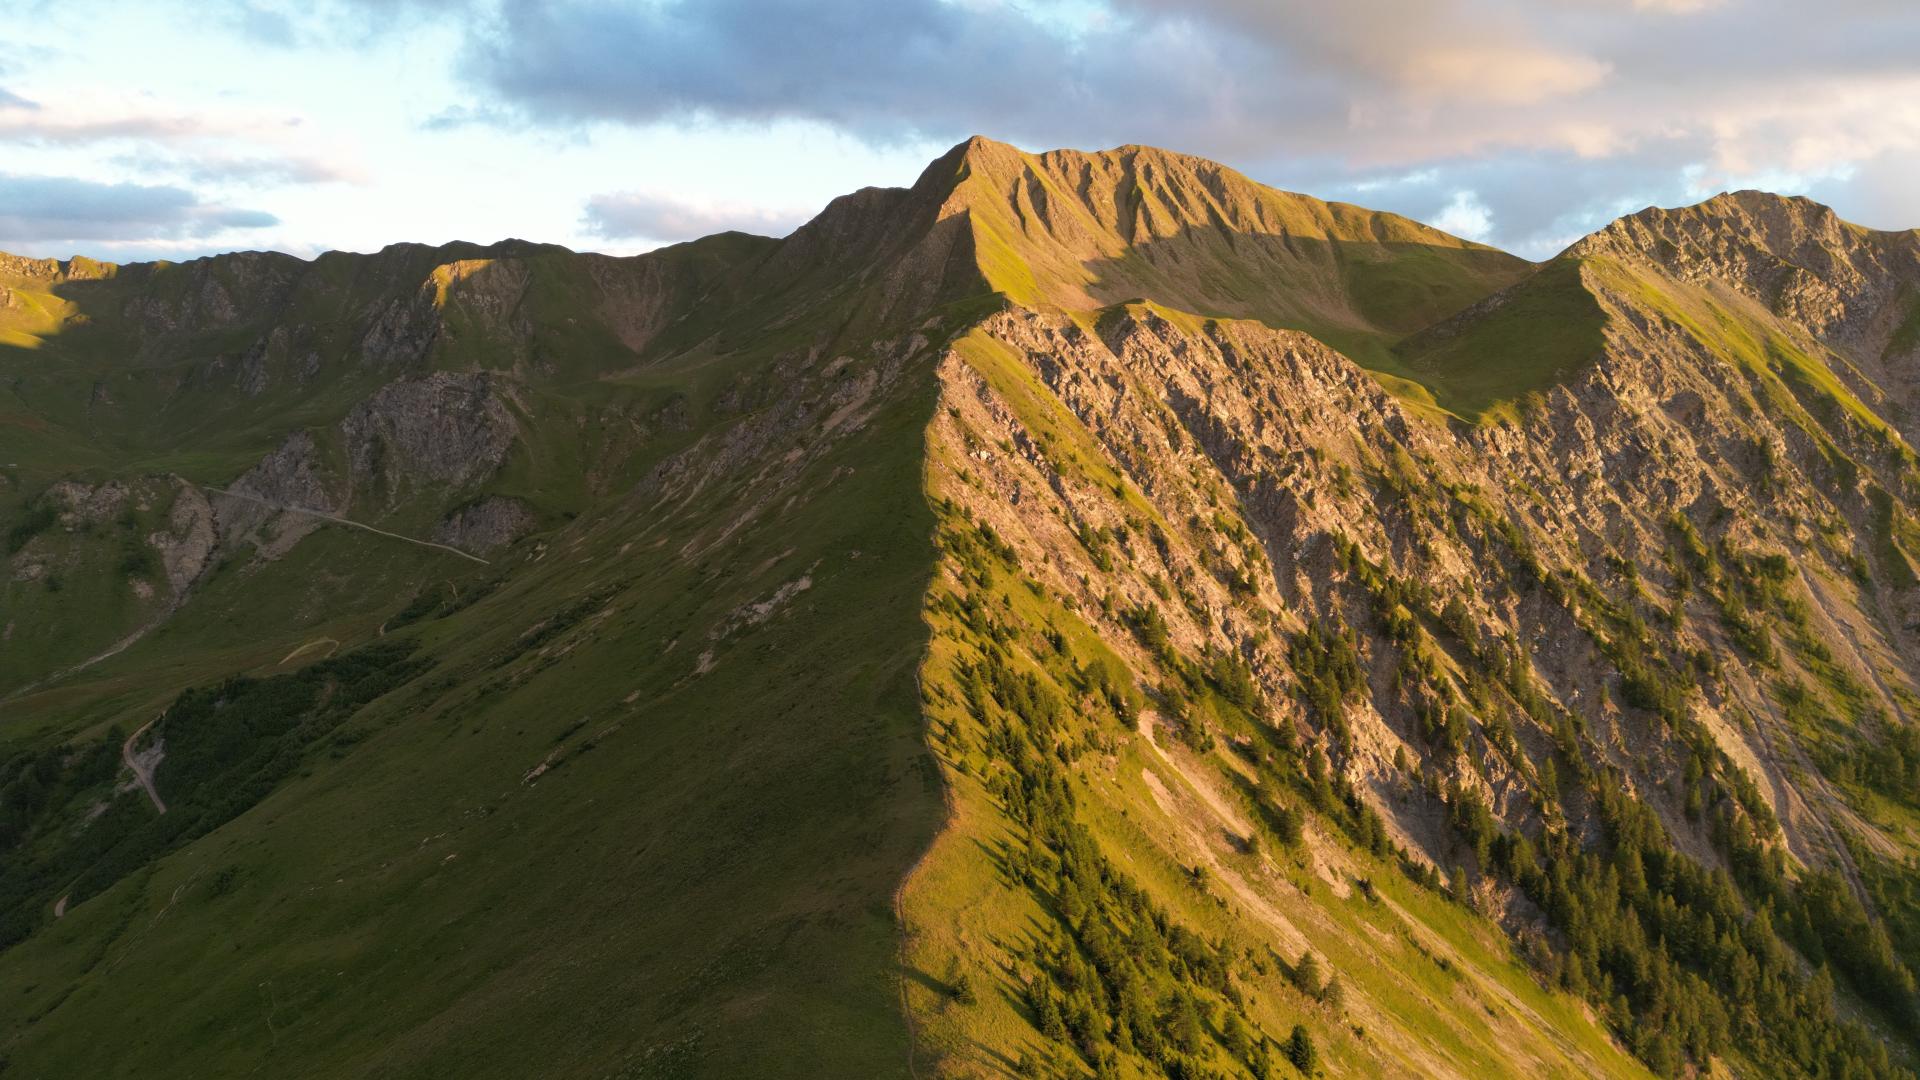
{"points": [[1256, 492], [446, 428], [421, 441], [486, 525], [1232, 422], [1792, 255]]}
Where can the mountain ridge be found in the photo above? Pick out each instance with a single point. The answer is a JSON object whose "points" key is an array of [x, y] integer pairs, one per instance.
{"points": [[1321, 267], [1081, 614]]}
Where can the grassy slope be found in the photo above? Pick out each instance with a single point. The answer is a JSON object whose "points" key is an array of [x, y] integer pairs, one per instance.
{"points": [[1479, 1013], [704, 893], [82, 372], [1537, 334], [87, 392]]}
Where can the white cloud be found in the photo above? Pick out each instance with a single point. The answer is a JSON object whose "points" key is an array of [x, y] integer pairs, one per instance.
{"points": [[40, 209], [199, 145], [220, 167], [642, 215], [1466, 216]]}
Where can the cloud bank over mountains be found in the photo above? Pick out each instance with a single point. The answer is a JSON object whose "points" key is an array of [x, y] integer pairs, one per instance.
{"points": [[47, 208], [1520, 123], [1552, 117]]}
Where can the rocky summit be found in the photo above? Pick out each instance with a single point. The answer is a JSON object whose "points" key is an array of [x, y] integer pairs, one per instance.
{"points": [[1083, 615]]}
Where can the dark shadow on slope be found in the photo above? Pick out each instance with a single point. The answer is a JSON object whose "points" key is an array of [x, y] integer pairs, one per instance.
{"points": [[1522, 340], [1465, 329]]}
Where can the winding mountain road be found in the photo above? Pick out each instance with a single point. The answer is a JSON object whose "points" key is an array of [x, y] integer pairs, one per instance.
{"points": [[336, 519]]}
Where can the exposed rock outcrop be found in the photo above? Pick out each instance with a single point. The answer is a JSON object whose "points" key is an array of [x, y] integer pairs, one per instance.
{"points": [[187, 545], [447, 428], [485, 525]]}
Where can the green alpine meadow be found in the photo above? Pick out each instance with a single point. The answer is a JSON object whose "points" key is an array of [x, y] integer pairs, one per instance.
{"points": [[1082, 616]]}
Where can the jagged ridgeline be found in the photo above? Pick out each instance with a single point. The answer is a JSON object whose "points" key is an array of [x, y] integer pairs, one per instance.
{"points": [[1086, 615]]}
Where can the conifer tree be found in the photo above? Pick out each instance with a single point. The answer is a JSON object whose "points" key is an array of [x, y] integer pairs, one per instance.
{"points": [[1301, 1051], [1306, 974]]}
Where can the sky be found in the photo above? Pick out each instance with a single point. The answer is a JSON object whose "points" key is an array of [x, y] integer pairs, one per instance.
{"points": [[174, 129]]}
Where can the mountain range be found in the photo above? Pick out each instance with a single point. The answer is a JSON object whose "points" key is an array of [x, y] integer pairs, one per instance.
{"points": [[1083, 615]]}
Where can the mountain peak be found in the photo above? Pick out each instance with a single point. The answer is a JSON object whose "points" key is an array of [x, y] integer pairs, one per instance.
{"points": [[964, 157], [981, 144], [1076, 231], [1790, 227], [1795, 256]]}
